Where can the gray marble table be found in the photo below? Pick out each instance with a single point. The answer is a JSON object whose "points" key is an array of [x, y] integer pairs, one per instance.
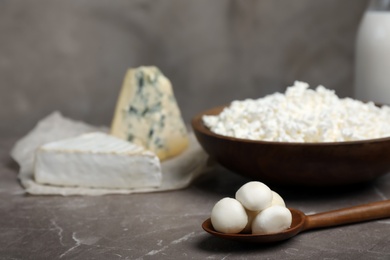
{"points": [[167, 225]]}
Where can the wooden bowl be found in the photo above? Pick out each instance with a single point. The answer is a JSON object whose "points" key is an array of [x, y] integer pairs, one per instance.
{"points": [[292, 164]]}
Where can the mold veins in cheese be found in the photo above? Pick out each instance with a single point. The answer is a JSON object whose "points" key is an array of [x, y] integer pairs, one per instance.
{"points": [[96, 160], [147, 113]]}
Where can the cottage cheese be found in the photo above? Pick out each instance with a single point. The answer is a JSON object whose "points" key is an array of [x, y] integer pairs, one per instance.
{"points": [[302, 115]]}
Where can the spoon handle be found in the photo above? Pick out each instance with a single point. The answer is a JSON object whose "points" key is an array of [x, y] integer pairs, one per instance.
{"points": [[365, 212]]}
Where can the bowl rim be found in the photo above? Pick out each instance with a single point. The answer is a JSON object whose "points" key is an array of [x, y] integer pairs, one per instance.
{"points": [[198, 125]]}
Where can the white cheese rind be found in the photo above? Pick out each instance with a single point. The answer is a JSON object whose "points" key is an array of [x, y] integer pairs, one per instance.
{"points": [[96, 160], [147, 113]]}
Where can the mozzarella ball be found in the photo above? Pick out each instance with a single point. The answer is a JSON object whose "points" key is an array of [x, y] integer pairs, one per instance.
{"points": [[271, 220], [254, 196], [229, 216], [251, 217], [277, 200]]}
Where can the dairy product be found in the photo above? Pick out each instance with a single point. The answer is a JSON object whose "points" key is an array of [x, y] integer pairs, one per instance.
{"points": [[277, 199], [302, 115], [372, 77], [256, 209], [271, 220], [147, 113], [229, 216], [254, 196], [96, 160]]}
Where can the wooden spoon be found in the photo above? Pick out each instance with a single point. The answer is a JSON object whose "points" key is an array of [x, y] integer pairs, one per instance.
{"points": [[302, 222]]}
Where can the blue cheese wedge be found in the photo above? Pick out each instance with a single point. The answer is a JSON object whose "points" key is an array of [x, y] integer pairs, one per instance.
{"points": [[96, 160], [147, 113]]}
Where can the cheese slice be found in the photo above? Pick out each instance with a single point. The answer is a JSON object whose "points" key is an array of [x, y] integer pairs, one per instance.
{"points": [[96, 160], [147, 113]]}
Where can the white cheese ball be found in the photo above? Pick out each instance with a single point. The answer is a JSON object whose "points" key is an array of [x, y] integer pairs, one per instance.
{"points": [[228, 216], [271, 220], [277, 199], [254, 196], [251, 217]]}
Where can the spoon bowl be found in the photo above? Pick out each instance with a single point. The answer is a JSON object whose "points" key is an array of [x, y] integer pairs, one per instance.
{"points": [[298, 221], [302, 222]]}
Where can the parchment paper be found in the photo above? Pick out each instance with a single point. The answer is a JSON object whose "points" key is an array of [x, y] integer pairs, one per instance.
{"points": [[177, 173]]}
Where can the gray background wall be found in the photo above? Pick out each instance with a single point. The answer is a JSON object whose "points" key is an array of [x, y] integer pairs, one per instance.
{"points": [[72, 55]]}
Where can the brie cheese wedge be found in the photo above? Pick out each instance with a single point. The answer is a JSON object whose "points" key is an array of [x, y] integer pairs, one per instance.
{"points": [[147, 113], [96, 160]]}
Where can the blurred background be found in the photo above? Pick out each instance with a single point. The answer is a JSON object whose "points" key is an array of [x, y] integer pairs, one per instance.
{"points": [[72, 55]]}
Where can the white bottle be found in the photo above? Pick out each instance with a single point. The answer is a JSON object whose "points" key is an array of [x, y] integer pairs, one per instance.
{"points": [[372, 65]]}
